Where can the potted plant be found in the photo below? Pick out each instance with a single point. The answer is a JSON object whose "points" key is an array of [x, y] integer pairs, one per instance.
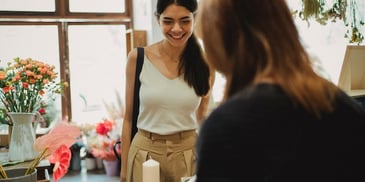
{"points": [[25, 83], [102, 146], [90, 160]]}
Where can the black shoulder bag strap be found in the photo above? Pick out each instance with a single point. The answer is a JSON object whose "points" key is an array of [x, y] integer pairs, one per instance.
{"points": [[137, 85]]}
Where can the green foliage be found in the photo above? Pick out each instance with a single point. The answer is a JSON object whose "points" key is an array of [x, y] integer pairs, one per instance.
{"points": [[25, 83], [345, 10], [4, 119]]}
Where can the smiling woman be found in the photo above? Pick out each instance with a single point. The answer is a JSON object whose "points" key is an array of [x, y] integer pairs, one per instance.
{"points": [[171, 66]]}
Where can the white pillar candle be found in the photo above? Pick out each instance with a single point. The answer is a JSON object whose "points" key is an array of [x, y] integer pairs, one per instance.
{"points": [[151, 171]]}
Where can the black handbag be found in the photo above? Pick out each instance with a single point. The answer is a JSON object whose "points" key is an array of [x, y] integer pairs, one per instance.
{"points": [[137, 85], [135, 112]]}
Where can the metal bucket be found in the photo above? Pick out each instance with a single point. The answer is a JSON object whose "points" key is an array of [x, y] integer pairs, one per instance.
{"points": [[17, 175]]}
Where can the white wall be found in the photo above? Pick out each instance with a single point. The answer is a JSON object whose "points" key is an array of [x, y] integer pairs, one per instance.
{"points": [[327, 42]]}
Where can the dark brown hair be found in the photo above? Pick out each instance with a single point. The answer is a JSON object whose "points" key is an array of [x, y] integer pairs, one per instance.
{"points": [[248, 40]]}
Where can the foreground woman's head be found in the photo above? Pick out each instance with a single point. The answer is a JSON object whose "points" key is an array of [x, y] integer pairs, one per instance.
{"points": [[250, 39], [254, 41]]}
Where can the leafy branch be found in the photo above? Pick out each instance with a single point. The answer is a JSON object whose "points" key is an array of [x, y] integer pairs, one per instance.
{"points": [[345, 10]]}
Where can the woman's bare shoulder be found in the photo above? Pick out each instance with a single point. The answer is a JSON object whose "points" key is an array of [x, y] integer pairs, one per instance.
{"points": [[152, 51]]}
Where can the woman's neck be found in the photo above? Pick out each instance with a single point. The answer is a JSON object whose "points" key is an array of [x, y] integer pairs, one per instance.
{"points": [[173, 54]]}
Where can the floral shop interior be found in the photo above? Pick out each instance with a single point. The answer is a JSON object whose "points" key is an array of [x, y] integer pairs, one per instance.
{"points": [[71, 55]]}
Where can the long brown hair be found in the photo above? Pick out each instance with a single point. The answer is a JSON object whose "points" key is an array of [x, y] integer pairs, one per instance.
{"points": [[248, 40]]}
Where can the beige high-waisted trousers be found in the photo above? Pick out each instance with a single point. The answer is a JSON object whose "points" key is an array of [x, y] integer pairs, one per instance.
{"points": [[175, 153]]}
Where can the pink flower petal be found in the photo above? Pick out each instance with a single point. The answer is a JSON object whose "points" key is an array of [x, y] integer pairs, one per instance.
{"points": [[61, 158], [62, 133]]}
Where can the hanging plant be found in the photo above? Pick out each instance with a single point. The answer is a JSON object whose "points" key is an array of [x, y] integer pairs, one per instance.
{"points": [[345, 10], [318, 10], [355, 23]]}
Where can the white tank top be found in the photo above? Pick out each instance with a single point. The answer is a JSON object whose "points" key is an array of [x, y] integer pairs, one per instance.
{"points": [[167, 105]]}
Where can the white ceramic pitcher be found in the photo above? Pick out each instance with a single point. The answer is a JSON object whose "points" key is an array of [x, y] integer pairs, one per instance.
{"points": [[23, 136]]}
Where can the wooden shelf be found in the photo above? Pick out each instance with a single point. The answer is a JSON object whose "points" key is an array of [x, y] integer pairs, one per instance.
{"points": [[357, 93], [352, 76]]}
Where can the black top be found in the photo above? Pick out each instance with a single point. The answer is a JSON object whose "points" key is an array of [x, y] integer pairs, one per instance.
{"points": [[261, 135]]}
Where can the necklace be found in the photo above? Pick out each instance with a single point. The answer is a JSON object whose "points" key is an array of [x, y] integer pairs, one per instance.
{"points": [[171, 58]]}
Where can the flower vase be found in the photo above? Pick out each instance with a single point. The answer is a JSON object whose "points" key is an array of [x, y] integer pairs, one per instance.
{"points": [[75, 162], [111, 167], [23, 136], [99, 163], [10, 130], [90, 163]]}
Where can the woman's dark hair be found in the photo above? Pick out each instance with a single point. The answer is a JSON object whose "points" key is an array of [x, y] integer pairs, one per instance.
{"points": [[196, 70]]}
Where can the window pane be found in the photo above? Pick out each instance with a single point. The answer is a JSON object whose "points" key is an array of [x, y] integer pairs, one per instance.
{"points": [[27, 5], [97, 64], [97, 6], [38, 42]]}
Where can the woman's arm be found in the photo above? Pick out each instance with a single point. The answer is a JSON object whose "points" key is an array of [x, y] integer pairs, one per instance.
{"points": [[203, 109], [127, 122]]}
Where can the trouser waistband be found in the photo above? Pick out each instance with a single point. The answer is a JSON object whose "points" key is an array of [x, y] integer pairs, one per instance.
{"points": [[179, 135]]}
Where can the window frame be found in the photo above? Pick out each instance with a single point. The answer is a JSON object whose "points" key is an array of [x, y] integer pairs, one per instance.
{"points": [[62, 18]]}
